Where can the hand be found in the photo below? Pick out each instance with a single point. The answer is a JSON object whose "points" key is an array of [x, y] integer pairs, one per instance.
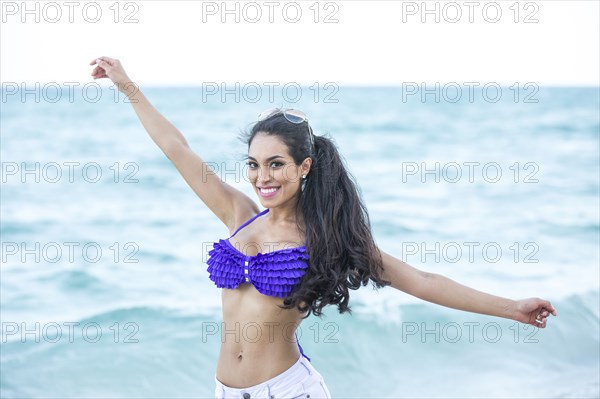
{"points": [[112, 69], [533, 311]]}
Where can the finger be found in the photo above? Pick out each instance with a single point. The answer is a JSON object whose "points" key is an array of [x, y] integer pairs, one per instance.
{"points": [[110, 61], [549, 307], [545, 305], [539, 323], [100, 74], [541, 316], [95, 60], [103, 64]]}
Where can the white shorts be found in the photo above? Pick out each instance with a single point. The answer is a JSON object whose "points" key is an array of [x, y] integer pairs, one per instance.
{"points": [[301, 380]]}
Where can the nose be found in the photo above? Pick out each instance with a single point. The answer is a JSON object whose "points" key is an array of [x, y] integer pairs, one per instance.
{"points": [[264, 175]]}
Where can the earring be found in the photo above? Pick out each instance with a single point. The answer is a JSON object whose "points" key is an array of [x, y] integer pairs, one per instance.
{"points": [[304, 176]]}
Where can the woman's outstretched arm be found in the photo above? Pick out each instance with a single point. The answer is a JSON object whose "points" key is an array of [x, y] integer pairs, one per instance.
{"points": [[227, 203], [443, 291], [163, 133]]}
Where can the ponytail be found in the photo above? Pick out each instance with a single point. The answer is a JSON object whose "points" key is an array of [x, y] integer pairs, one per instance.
{"points": [[343, 254]]}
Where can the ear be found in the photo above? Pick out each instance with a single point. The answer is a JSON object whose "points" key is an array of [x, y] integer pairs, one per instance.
{"points": [[305, 167]]}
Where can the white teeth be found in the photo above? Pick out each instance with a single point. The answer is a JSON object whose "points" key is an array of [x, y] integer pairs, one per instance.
{"points": [[268, 190]]}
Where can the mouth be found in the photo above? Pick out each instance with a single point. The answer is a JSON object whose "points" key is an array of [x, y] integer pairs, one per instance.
{"points": [[268, 191]]}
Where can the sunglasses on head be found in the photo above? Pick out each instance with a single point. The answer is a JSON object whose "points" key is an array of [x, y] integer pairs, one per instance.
{"points": [[291, 115]]}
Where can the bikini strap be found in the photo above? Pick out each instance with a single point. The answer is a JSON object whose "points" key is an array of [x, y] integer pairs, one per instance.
{"points": [[300, 347], [250, 221]]}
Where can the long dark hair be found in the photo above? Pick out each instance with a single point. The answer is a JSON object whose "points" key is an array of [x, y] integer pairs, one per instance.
{"points": [[343, 254]]}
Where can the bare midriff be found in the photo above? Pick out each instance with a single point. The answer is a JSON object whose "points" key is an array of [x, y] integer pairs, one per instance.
{"points": [[257, 337]]}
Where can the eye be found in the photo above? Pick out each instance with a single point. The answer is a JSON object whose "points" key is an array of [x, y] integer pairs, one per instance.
{"points": [[277, 164], [251, 165]]}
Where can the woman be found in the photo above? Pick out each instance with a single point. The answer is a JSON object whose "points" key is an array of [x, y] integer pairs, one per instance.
{"points": [[310, 245]]}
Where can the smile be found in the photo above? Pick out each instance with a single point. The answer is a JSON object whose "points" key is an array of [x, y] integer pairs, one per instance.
{"points": [[268, 191]]}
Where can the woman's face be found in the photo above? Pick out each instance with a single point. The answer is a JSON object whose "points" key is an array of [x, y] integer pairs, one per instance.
{"points": [[272, 171]]}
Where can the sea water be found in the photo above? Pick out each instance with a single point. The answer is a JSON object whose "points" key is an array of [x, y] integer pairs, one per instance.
{"points": [[104, 289]]}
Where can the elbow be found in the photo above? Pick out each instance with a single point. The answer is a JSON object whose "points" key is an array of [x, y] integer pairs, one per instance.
{"points": [[174, 149], [426, 276], [425, 285]]}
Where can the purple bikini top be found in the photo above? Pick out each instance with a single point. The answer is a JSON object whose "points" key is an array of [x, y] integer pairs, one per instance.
{"points": [[273, 273]]}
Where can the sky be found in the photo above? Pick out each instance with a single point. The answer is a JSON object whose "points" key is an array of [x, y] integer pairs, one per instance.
{"points": [[358, 43]]}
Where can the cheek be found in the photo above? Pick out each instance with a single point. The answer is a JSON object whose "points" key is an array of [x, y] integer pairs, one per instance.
{"points": [[252, 174], [288, 174]]}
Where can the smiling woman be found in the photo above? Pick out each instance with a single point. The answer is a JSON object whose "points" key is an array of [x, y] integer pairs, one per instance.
{"points": [[303, 176], [307, 249]]}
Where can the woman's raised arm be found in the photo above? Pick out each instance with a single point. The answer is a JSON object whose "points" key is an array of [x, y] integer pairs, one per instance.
{"points": [[223, 200], [443, 291]]}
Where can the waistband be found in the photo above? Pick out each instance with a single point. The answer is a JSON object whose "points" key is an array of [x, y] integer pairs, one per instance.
{"points": [[285, 380]]}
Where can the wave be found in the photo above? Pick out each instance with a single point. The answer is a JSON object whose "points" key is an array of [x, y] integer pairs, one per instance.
{"points": [[161, 352]]}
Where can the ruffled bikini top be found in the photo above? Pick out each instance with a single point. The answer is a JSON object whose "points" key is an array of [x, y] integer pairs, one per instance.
{"points": [[273, 273]]}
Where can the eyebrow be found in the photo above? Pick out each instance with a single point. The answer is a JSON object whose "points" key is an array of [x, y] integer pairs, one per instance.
{"points": [[268, 159]]}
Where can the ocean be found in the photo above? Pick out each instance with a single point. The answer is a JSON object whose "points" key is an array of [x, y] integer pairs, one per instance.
{"points": [[104, 290]]}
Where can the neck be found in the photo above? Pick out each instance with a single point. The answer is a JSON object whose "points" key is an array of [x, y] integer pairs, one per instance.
{"points": [[285, 214]]}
